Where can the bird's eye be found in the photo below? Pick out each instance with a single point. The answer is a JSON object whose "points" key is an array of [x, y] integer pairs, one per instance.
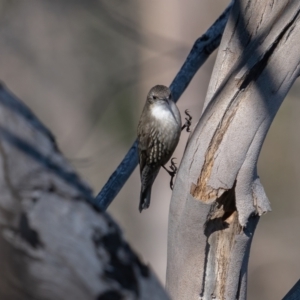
{"points": [[154, 97]]}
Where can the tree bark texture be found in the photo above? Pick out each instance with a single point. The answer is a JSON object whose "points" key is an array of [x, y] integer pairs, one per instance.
{"points": [[218, 197], [53, 243]]}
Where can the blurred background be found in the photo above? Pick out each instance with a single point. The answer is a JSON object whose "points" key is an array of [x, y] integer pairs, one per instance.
{"points": [[85, 67]]}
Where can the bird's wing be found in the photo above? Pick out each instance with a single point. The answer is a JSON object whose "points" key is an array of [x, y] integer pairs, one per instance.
{"points": [[145, 143], [144, 146]]}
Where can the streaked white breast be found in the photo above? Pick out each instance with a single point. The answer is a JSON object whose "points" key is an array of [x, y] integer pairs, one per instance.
{"points": [[162, 113]]}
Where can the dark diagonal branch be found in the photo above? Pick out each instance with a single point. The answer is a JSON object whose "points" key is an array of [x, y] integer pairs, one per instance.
{"points": [[294, 293], [201, 50]]}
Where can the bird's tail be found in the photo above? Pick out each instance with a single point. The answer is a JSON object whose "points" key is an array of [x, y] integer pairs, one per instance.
{"points": [[145, 198]]}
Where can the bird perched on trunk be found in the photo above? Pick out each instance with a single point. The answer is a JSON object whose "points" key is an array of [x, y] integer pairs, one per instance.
{"points": [[159, 131]]}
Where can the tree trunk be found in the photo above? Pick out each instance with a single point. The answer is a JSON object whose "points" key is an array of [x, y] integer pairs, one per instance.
{"points": [[218, 197], [53, 243]]}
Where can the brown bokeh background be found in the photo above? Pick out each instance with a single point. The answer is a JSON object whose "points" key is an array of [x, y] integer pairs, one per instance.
{"points": [[84, 68]]}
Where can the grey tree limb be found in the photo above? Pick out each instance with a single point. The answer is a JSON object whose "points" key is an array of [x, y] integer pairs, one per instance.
{"points": [[54, 244], [201, 50], [218, 197]]}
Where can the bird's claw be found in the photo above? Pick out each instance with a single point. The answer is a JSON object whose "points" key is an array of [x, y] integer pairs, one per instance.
{"points": [[172, 173], [173, 165], [188, 122], [174, 169]]}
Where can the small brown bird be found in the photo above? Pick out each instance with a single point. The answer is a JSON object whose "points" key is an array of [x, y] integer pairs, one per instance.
{"points": [[159, 131]]}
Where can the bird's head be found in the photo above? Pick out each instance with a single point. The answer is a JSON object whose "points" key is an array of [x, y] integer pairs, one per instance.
{"points": [[159, 94]]}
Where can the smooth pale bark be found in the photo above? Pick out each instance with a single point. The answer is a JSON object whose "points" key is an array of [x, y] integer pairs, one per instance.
{"points": [[218, 197], [53, 243]]}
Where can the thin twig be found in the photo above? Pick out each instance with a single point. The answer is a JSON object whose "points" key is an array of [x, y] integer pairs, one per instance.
{"points": [[201, 50]]}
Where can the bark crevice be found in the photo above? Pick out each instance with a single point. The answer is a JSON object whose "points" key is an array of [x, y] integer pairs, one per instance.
{"points": [[220, 229]]}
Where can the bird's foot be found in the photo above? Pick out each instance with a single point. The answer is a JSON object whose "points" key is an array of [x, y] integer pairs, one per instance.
{"points": [[188, 122], [172, 173]]}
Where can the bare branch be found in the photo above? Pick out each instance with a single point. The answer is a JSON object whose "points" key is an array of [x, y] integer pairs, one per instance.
{"points": [[201, 50]]}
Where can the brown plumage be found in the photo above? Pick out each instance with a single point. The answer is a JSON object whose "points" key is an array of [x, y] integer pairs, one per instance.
{"points": [[159, 131]]}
